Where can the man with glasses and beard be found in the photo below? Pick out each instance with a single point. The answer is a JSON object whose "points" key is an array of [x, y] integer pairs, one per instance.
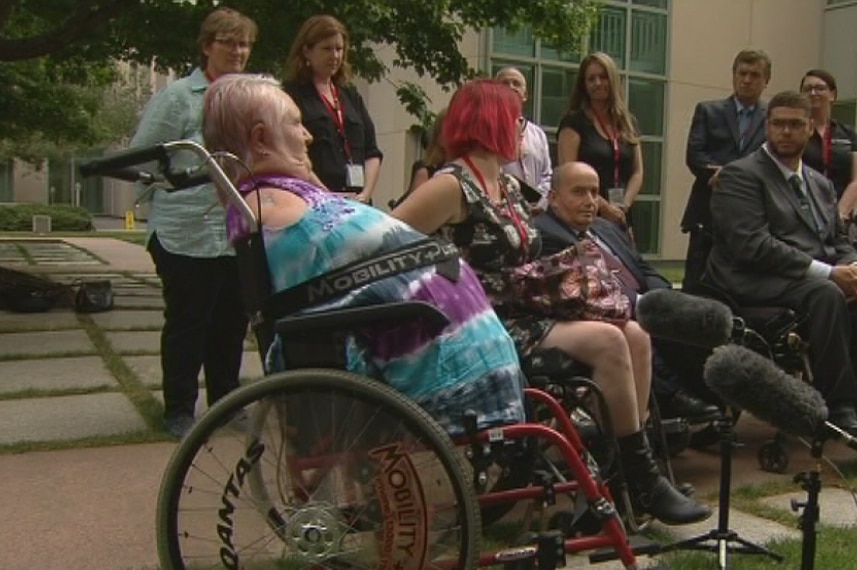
{"points": [[778, 241]]}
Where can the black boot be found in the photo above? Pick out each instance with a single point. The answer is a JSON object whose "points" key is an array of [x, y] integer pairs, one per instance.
{"points": [[651, 492]]}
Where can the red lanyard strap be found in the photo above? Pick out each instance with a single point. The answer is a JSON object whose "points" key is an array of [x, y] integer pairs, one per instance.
{"points": [[826, 149], [335, 110], [614, 140], [513, 216]]}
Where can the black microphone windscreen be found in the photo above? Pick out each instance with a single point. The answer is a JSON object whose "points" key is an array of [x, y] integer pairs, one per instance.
{"points": [[749, 381], [686, 319]]}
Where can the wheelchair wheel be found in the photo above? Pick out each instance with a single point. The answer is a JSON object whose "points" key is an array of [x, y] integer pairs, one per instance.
{"points": [[330, 470]]}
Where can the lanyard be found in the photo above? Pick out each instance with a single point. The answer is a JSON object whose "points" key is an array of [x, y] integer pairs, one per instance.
{"points": [[614, 140], [826, 149], [335, 110], [516, 221]]}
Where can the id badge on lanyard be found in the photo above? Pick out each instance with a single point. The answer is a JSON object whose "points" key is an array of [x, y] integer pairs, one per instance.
{"points": [[616, 194], [354, 177]]}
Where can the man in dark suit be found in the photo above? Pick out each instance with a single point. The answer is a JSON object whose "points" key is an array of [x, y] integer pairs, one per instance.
{"points": [[721, 131], [573, 211], [778, 241]]}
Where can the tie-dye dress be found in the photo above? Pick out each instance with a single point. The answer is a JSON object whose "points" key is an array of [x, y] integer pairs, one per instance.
{"points": [[471, 365]]}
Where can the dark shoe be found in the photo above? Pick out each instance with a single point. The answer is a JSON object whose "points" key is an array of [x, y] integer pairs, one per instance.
{"points": [[844, 416], [650, 492], [668, 505], [691, 408], [178, 426]]}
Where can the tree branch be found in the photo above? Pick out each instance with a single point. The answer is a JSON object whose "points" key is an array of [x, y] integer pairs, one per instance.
{"points": [[6, 11], [86, 17]]}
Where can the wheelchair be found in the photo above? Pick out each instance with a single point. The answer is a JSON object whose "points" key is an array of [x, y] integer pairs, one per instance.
{"points": [[316, 467], [772, 332]]}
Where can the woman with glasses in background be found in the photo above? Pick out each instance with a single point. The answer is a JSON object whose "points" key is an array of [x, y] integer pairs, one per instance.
{"points": [[832, 148]]}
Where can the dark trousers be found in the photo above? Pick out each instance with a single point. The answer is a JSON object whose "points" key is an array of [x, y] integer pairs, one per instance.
{"points": [[828, 325], [698, 249], [204, 327]]}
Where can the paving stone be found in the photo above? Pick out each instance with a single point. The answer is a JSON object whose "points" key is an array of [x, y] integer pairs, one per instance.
{"points": [[148, 368], [201, 402], [124, 320], [67, 417], [139, 302], [135, 341], [748, 527], [54, 374], [45, 343], [51, 320], [836, 506]]}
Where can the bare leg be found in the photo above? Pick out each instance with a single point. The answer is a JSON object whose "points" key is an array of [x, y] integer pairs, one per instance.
{"points": [[640, 347], [604, 348]]}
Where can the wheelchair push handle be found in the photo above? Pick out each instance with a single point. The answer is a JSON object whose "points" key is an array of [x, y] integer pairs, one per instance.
{"points": [[122, 165]]}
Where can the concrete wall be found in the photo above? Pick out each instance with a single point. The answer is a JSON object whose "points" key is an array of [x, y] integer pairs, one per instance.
{"points": [[30, 184], [705, 36], [838, 51]]}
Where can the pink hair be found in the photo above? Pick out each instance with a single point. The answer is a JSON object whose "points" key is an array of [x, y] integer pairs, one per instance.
{"points": [[482, 114]]}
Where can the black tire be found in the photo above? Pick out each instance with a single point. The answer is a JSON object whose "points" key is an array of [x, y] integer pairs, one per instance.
{"points": [[386, 486]]}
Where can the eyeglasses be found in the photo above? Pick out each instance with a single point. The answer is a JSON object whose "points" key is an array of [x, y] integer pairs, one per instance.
{"points": [[791, 124], [817, 88], [238, 45]]}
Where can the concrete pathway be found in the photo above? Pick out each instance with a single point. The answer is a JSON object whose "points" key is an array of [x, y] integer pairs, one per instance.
{"points": [[72, 380]]}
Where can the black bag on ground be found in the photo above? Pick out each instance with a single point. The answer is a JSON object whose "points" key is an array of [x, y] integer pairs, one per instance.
{"points": [[22, 292], [93, 297]]}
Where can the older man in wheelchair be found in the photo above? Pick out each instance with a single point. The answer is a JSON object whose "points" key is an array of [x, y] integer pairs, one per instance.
{"points": [[333, 468]]}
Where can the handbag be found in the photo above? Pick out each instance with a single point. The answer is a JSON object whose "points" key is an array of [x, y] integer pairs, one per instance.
{"points": [[93, 297], [573, 284]]}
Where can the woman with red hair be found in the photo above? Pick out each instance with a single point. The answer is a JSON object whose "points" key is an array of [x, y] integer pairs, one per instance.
{"points": [[481, 210]]}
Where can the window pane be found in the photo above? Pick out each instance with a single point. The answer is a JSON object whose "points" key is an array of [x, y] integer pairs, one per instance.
{"points": [[646, 217], [549, 53], [646, 101], [529, 74], [520, 42], [608, 34], [556, 88], [845, 112], [652, 160], [652, 3], [648, 42]]}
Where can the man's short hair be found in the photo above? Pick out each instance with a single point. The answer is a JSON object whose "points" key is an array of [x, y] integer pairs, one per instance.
{"points": [[751, 56], [791, 100]]}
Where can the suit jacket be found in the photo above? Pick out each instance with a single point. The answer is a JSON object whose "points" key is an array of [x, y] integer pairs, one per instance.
{"points": [[714, 139], [557, 235], [763, 239]]}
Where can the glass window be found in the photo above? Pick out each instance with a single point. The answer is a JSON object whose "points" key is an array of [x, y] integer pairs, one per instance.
{"points": [[648, 42], [653, 3], [556, 88], [6, 191], [646, 102], [845, 112], [528, 70], [549, 53], [519, 42], [646, 217], [609, 34], [652, 160]]}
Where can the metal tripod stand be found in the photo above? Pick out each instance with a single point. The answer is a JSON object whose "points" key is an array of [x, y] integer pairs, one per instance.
{"points": [[723, 540]]}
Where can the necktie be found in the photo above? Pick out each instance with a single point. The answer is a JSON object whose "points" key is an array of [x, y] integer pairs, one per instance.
{"points": [[745, 117], [797, 186]]}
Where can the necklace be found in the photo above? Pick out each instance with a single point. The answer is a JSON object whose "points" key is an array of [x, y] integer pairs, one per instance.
{"points": [[510, 213]]}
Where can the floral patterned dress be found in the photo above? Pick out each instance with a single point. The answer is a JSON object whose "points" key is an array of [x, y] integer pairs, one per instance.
{"points": [[494, 238]]}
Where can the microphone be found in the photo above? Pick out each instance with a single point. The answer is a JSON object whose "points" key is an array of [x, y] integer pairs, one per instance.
{"points": [[749, 381], [685, 319]]}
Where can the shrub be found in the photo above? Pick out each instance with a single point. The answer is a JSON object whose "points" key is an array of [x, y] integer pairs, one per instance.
{"points": [[64, 218]]}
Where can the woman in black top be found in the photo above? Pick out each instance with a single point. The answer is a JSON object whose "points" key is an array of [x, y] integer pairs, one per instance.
{"points": [[598, 129], [344, 152], [831, 148]]}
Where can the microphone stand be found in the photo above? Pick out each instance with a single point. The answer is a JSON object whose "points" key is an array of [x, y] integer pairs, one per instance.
{"points": [[810, 481], [721, 539]]}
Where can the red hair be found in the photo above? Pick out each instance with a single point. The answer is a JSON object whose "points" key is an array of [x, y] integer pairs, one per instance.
{"points": [[482, 114]]}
